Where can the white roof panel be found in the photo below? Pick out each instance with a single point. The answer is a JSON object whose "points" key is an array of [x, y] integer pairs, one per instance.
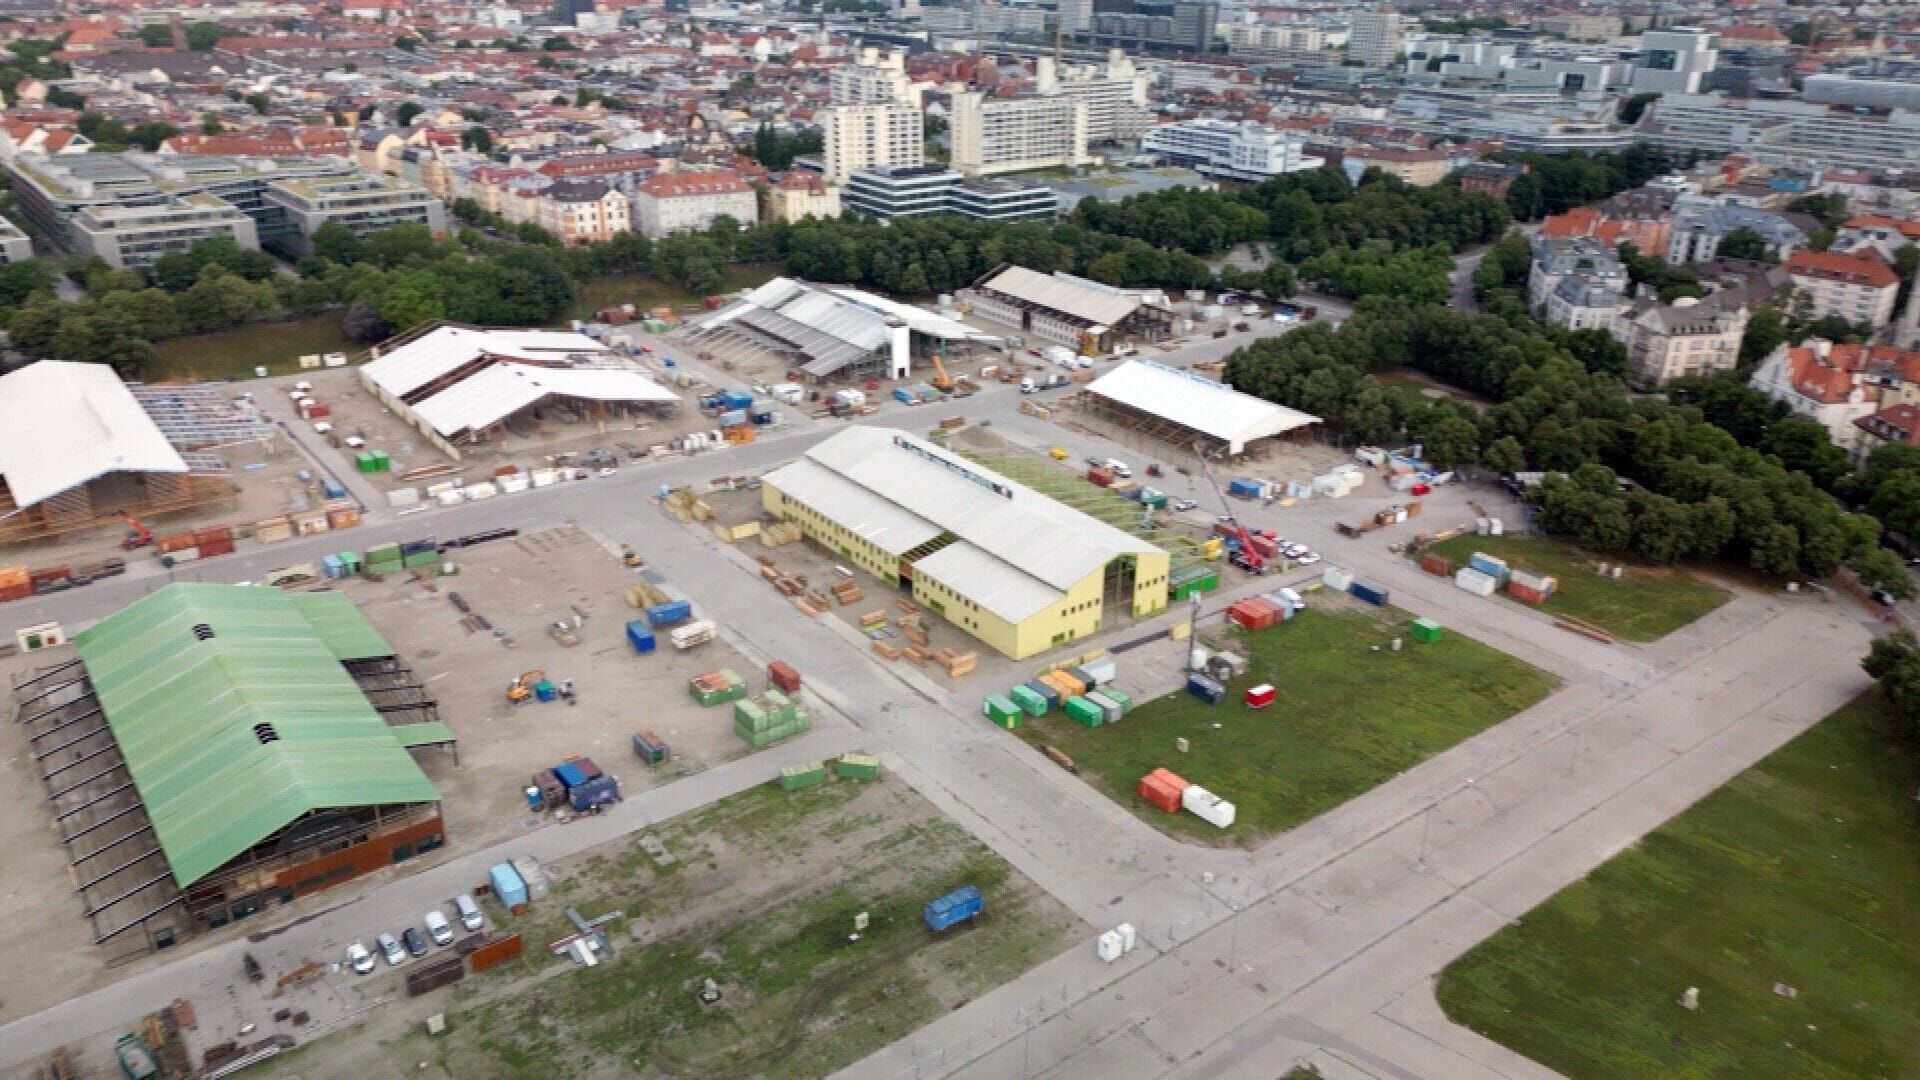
{"points": [[1001, 589], [62, 425], [446, 349], [497, 392], [1080, 301], [861, 512], [1199, 403]]}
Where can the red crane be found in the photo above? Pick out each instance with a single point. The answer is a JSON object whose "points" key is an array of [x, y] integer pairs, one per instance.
{"points": [[138, 535], [1244, 556]]}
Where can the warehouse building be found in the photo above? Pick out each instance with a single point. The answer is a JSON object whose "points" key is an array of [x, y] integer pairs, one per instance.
{"points": [[1083, 315], [78, 449], [1185, 409], [1003, 562], [459, 385], [826, 332], [214, 750]]}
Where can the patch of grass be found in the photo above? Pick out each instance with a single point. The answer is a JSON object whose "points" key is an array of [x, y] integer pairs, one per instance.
{"points": [[646, 291], [1646, 604], [1804, 871], [233, 354], [1346, 718]]}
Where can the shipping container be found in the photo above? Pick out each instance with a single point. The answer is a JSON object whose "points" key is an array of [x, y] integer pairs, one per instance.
{"points": [[495, 952], [1031, 701], [1068, 686], [1002, 711], [1110, 711], [1084, 712], [1205, 689], [1207, 806], [670, 613], [1372, 594], [532, 874], [1492, 567], [507, 886], [598, 791], [694, 634], [1114, 695], [552, 792], [1046, 690], [800, 777], [1424, 630], [435, 974], [781, 674], [570, 774], [954, 908], [1437, 565], [1475, 582], [1259, 697], [1159, 794], [641, 637], [857, 767], [650, 748], [1100, 671]]}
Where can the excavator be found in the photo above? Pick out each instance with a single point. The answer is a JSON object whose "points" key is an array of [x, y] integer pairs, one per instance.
{"points": [[521, 689], [941, 380], [138, 535]]}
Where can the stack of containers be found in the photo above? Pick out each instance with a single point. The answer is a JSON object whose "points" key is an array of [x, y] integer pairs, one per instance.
{"points": [[717, 687], [1110, 710], [1084, 712], [767, 721], [1530, 587], [1163, 789], [1205, 689], [1475, 582], [1029, 700], [1492, 567], [350, 561], [383, 559], [1253, 613], [1207, 806], [417, 553], [1002, 711]]}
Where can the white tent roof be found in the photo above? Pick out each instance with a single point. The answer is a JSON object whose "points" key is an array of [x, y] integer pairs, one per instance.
{"points": [[447, 348], [921, 320], [492, 394], [62, 425], [1083, 302], [1199, 403]]}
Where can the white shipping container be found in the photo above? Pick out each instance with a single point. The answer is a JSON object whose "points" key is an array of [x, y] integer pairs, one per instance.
{"points": [[545, 477], [1474, 581], [401, 498], [1109, 946], [1494, 528], [513, 482], [698, 632], [486, 490], [1103, 670], [1480, 526], [453, 497], [1207, 806], [1335, 578], [1128, 937], [789, 393]]}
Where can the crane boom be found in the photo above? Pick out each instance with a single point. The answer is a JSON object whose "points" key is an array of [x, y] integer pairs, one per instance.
{"points": [[1249, 557]]}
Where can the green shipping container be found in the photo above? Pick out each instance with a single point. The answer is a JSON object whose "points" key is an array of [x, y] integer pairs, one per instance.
{"points": [[424, 558], [857, 767], [1084, 712], [1425, 630], [1118, 698], [381, 462], [1030, 702], [363, 461], [760, 740], [1002, 712], [800, 777]]}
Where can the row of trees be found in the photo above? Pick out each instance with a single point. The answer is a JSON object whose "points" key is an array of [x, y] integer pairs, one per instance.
{"points": [[1637, 474]]}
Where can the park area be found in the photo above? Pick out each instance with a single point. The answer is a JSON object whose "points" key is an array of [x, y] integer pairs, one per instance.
{"points": [[1789, 898], [1645, 604], [1349, 714]]}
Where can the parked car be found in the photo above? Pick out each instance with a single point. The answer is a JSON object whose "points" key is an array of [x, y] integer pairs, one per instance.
{"points": [[469, 912], [438, 928], [1097, 462], [1295, 551], [1120, 468], [390, 948], [609, 471], [415, 941], [1883, 598], [1181, 506], [1308, 559], [359, 959]]}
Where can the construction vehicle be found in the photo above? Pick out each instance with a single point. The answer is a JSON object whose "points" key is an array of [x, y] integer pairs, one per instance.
{"points": [[1242, 554], [521, 689], [138, 535], [941, 380]]}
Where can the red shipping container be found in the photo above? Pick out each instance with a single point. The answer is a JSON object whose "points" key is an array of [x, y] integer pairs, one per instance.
{"points": [[1524, 594], [1159, 794], [318, 411], [1172, 780], [213, 532], [50, 573], [1253, 614], [1100, 475], [587, 766], [15, 592], [1259, 697], [782, 675], [1436, 564], [216, 547]]}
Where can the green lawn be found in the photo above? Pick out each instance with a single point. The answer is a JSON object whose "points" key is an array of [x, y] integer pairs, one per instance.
{"points": [[647, 291], [1346, 719], [233, 354], [1646, 604], [1803, 871]]}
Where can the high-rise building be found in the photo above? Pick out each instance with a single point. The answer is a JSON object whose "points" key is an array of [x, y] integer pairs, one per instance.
{"points": [[1116, 95], [1674, 61], [867, 136], [1016, 134], [1075, 15], [877, 79], [1374, 38], [1153, 25]]}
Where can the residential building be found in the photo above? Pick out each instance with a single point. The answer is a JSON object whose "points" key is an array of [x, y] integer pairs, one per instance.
{"points": [[1858, 288], [1456, 58], [1294, 44], [1578, 27], [1115, 95], [585, 212], [1691, 336], [1000, 135], [1420, 168], [876, 79], [1490, 178], [363, 204], [1576, 282], [1700, 223], [19, 137], [1644, 225], [1076, 16], [1896, 424], [1229, 151], [799, 195], [856, 137], [15, 246], [890, 193], [1673, 61], [1375, 38], [690, 201], [1884, 235], [1163, 26], [1835, 385]]}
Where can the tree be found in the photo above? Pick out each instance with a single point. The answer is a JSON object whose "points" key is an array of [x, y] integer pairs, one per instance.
{"points": [[1504, 456], [1766, 331], [412, 299], [406, 112], [1634, 107], [259, 103], [336, 243], [1894, 661], [390, 247], [149, 135], [1744, 243], [210, 124], [156, 36], [364, 324], [477, 139], [556, 44], [202, 36], [1878, 568], [1776, 550], [20, 280], [407, 43], [1830, 209]]}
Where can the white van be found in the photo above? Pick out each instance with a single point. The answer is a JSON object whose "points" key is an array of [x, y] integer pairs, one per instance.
{"points": [[438, 928], [1120, 468], [1027, 386], [468, 911]]}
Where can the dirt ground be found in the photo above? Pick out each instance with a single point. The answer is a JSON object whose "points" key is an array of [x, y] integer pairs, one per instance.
{"points": [[522, 586], [760, 896]]}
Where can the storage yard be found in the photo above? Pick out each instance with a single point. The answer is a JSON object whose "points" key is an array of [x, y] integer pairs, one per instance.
{"points": [[1347, 712], [1645, 603], [760, 895]]}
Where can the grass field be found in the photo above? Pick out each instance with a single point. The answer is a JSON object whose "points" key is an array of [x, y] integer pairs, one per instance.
{"points": [[646, 291], [762, 901], [1646, 604], [1803, 871], [233, 354], [1346, 719]]}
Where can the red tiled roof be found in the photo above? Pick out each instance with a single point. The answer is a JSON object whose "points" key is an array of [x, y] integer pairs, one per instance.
{"points": [[1867, 270], [1908, 229], [1900, 423], [682, 185]]}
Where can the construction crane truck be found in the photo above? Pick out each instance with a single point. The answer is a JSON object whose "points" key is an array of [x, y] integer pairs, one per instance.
{"points": [[1241, 554]]}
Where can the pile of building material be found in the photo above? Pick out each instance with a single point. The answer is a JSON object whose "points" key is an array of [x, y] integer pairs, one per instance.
{"points": [[846, 591], [774, 536], [717, 687], [686, 506], [732, 533], [768, 720], [957, 663]]}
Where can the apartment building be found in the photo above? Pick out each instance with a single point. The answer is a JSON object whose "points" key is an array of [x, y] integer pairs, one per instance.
{"points": [[1001, 135], [690, 201], [1229, 151], [1578, 27], [1420, 168], [1691, 336], [797, 196], [1858, 288], [876, 78], [1898, 424], [1296, 44], [363, 204], [1700, 223], [1836, 385], [1576, 282], [859, 137], [1116, 94], [1375, 38], [15, 246], [585, 211]]}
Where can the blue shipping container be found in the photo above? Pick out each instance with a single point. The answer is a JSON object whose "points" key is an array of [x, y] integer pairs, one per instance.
{"points": [[736, 399], [1245, 489], [957, 906], [507, 885], [904, 395], [1045, 691], [332, 488], [1205, 689], [1371, 594], [673, 611], [333, 566], [641, 636], [570, 774], [596, 792]]}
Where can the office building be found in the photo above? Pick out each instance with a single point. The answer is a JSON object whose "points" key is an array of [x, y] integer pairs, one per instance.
{"points": [[856, 137], [1796, 132], [135, 237], [888, 193], [15, 246], [1153, 25], [1673, 61], [363, 204], [1002, 135], [797, 196], [1293, 44], [1375, 39], [1075, 15], [1229, 151]]}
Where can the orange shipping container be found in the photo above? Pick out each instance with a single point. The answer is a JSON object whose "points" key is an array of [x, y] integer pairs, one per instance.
{"points": [[495, 952], [1067, 684], [167, 545], [13, 575]]}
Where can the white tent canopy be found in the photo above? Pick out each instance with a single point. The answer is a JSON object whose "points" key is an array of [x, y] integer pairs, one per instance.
{"points": [[1200, 404], [62, 425]]}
